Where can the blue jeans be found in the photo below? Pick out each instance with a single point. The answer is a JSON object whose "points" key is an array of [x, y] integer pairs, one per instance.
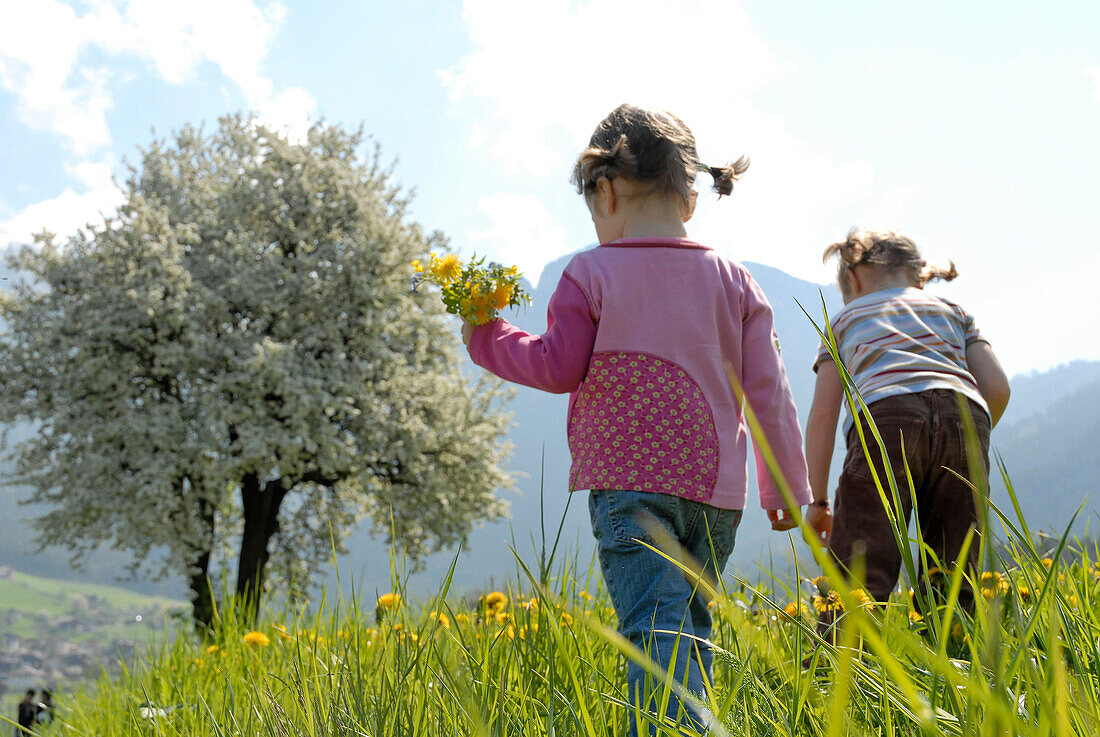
{"points": [[651, 594]]}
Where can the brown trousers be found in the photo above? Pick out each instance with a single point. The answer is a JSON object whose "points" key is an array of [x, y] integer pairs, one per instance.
{"points": [[928, 427]]}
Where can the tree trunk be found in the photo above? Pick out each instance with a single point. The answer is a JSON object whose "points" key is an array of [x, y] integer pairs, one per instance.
{"points": [[202, 595], [260, 503]]}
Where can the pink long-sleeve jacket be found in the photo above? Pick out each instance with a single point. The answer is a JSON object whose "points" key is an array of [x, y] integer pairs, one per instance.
{"points": [[639, 332]]}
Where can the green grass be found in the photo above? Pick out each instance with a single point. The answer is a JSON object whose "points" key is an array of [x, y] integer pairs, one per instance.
{"points": [[548, 662]]}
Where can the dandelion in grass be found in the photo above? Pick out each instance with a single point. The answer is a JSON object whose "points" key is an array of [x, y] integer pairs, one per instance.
{"points": [[212, 649], [566, 620], [831, 603], [442, 619], [386, 603], [797, 610], [473, 291], [282, 632], [495, 600], [1025, 593], [1048, 562], [462, 618], [863, 599], [256, 639], [994, 585]]}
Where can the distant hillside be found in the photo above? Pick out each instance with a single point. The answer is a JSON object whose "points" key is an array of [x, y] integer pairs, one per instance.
{"points": [[1052, 460], [54, 632]]}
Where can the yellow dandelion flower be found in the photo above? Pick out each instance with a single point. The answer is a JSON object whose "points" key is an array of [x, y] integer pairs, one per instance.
{"points": [[282, 632], [212, 649], [566, 619], [796, 610], [389, 601], [462, 618], [510, 632], [501, 296], [587, 596], [256, 639], [532, 605], [1024, 592], [200, 662], [419, 267], [994, 584], [495, 600], [501, 617], [443, 619], [445, 269], [1074, 603], [916, 617], [863, 599], [478, 308], [1047, 562]]}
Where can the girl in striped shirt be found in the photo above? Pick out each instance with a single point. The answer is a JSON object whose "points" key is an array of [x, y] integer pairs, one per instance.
{"points": [[920, 365]]}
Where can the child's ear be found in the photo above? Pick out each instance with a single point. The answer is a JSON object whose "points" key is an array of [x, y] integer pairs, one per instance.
{"points": [[605, 198], [851, 278], [689, 210]]}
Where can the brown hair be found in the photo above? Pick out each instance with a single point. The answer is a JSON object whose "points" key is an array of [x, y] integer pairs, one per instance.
{"points": [[886, 250], [648, 146]]}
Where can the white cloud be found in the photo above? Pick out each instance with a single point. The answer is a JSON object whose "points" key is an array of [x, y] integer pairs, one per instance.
{"points": [[1093, 73], [69, 211], [44, 52], [43, 45], [542, 75], [521, 232]]}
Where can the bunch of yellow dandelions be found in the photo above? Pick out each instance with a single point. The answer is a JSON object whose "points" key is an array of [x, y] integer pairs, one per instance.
{"points": [[473, 291]]}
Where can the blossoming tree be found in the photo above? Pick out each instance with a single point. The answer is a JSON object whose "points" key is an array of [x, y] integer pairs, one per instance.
{"points": [[235, 357]]}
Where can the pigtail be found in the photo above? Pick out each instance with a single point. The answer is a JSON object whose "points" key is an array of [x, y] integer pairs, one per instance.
{"points": [[595, 162], [932, 273], [725, 176], [852, 250]]}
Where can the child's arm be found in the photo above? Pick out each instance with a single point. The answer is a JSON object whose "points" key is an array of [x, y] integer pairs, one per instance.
{"points": [[767, 392], [555, 361], [820, 437], [992, 382]]}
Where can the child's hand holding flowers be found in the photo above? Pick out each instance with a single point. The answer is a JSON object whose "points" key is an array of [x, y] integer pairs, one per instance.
{"points": [[474, 292]]}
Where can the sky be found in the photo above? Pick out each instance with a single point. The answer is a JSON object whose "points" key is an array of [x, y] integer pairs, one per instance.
{"points": [[970, 126]]}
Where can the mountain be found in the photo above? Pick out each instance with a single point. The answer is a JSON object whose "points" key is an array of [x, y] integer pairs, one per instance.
{"points": [[1050, 455]]}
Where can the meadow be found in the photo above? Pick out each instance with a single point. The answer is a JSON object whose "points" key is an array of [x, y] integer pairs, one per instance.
{"points": [[541, 657]]}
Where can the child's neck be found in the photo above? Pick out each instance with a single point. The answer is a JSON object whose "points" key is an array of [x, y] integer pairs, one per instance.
{"points": [[881, 283], [655, 228], [656, 216]]}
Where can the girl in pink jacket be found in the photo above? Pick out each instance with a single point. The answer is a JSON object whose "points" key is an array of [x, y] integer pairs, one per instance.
{"points": [[640, 330]]}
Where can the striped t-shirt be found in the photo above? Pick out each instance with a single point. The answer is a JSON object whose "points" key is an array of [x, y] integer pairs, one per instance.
{"points": [[904, 341]]}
